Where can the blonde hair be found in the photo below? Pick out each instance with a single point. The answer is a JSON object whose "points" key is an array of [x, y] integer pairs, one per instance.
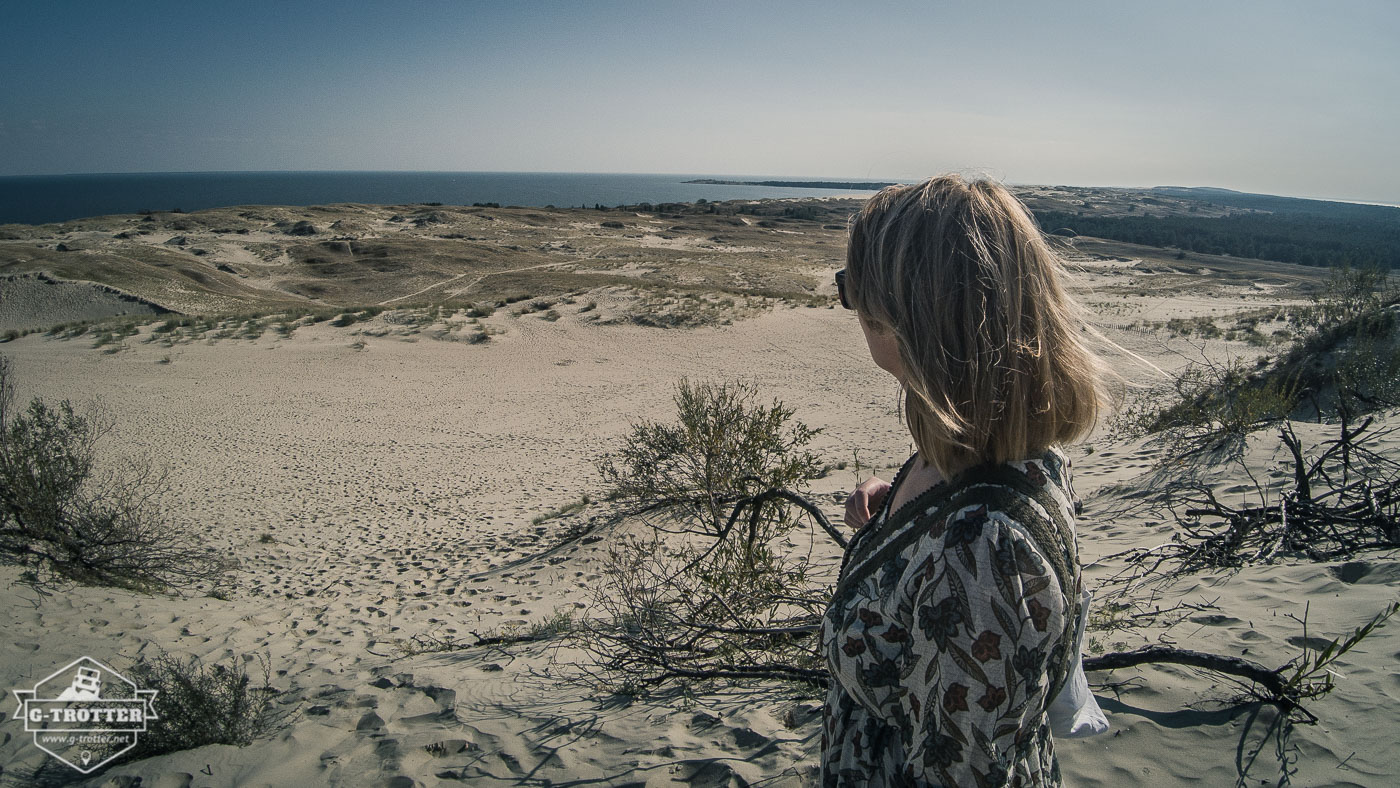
{"points": [[995, 368]]}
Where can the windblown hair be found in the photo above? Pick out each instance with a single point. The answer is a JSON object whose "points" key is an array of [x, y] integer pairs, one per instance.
{"points": [[995, 367]]}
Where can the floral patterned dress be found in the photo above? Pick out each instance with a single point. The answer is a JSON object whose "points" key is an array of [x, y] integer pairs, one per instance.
{"points": [[948, 631]]}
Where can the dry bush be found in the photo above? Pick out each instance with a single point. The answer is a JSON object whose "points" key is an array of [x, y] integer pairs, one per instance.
{"points": [[1344, 498], [198, 703], [66, 519]]}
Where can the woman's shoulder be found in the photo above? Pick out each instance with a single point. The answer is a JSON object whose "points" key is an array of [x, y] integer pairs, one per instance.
{"points": [[1026, 501], [1043, 480], [1030, 502]]}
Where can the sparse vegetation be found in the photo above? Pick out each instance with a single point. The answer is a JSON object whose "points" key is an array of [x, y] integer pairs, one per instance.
{"points": [[65, 519], [201, 703], [1344, 361], [1202, 326], [563, 511], [688, 310]]}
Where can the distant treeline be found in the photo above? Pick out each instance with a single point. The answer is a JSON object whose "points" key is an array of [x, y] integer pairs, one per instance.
{"points": [[862, 185], [1334, 236]]}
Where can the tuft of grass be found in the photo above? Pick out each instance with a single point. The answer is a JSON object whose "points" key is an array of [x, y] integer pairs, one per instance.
{"points": [[560, 622], [1204, 327], [563, 511]]}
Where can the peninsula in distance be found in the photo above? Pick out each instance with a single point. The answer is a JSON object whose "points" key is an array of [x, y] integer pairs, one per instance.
{"points": [[862, 185]]}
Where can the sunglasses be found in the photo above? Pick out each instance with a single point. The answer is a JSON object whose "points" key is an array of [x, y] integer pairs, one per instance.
{"points": [[841, 289]]}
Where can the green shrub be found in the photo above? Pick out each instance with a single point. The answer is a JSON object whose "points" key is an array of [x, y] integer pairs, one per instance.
{"points": [[699, 590], [1345, 359], [1213, 406], [725, 445]]}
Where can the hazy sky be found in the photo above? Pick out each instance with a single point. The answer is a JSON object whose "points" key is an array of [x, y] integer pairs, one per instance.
{"points": [[1297, 98]]}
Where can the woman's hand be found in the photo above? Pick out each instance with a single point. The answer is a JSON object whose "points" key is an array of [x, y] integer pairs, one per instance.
{"points": [[864, 500]]}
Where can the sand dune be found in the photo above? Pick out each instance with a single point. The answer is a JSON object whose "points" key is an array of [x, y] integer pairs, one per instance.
{"points": [[34, 301], [398, 480]]}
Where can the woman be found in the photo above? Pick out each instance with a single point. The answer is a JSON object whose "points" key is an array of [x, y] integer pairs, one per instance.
{"points": [[950, 628]]}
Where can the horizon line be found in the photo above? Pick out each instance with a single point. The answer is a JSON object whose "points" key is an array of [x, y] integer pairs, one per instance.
{"points": [[675, 174]]}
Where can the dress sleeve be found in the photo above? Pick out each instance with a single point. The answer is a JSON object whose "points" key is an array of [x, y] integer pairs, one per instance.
{"points": [[985, 613]]}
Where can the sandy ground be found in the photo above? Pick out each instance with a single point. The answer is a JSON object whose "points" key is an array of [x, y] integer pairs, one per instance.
{"points": [[399, 482]]}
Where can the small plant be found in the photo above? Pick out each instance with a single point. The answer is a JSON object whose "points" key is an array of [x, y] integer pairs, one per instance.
{"points": [[199, 704], [561, 622], [267, 538], [1211, 407], [1311, 674], [1204, 326], [713, 587]]}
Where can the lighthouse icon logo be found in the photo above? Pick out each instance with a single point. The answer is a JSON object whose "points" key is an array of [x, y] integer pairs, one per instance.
{"points": [[85, 714]]}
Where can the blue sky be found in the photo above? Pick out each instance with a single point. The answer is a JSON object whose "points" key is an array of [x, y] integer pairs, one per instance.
{"points": [[1273, 96]]}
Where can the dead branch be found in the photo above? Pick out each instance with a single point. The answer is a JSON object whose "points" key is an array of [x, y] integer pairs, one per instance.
{"points": [[1271, 680], [1344, 500]]}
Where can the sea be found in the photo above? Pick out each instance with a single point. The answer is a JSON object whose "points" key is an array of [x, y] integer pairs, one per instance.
{"points": [[42, 199]]}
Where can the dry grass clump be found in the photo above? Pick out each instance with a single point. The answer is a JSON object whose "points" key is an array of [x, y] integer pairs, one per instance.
{"points": [[1344, 361], [672, 309]]}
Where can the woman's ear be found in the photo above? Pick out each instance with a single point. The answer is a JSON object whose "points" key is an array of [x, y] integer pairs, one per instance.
{"points": [[875, 325], [883, 343]]}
